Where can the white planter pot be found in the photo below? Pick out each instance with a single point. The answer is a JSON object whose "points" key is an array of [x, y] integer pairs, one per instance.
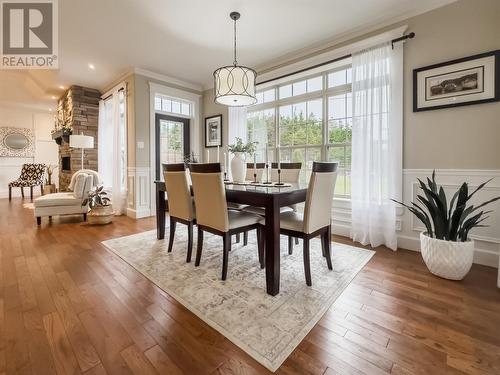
{"points": [[238, 167], [448, 259]]}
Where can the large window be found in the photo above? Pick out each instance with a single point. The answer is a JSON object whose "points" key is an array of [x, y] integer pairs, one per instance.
{"points": [[310, 119]]}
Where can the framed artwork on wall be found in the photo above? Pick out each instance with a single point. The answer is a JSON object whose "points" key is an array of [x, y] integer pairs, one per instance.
{"points": [[213, 131], [469, 80]]}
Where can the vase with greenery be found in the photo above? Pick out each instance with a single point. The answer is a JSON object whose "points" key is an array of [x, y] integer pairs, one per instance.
{"points": [[101, 210], [238, 163], [446, 246]]}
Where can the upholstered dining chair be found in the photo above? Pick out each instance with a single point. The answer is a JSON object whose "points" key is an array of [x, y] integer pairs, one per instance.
{"points": [[32, 174], [259, 171], [316, 218], [213, 216], [180, 203], [290, 173]]}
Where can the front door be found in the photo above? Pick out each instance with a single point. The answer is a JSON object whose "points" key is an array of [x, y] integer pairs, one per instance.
{"points": [[172, 141]]}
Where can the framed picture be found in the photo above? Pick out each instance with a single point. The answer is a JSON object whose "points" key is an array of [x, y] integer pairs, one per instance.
{"points": [[470, 80], [213, 131]]}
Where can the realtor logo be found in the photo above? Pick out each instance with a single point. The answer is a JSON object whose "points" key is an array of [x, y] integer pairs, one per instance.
{"points": [[29, 38]]}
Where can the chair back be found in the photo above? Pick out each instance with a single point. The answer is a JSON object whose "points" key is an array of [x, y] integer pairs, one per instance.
{"points": [[33, 172], [180, 204], [318, 207], [259, 171], [96, 180], [290, 172], [209, 196]]}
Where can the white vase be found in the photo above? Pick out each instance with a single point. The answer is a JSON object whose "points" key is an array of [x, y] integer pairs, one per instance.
{"points": [[448, 259], [238, 167]]}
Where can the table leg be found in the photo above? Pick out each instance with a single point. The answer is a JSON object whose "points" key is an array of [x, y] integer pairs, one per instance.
{"points": [[273, 246], [160, 214]]}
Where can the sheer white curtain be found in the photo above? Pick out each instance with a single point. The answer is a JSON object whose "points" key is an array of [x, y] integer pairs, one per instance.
{"points": [[112, 157], [376, 144], [237, 124]]}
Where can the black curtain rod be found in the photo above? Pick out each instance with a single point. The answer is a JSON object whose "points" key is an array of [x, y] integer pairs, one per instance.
{"points": [[401, 38]]}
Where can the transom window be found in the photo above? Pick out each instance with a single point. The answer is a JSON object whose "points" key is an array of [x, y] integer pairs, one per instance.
{"points": [[170, 105], [311, 120]]}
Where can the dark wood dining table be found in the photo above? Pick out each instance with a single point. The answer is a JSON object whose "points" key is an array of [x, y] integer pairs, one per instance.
{"points": [[269, 197]]}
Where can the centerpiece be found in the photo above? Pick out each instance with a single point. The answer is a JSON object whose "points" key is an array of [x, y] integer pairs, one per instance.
{"points": [[238, 163]]}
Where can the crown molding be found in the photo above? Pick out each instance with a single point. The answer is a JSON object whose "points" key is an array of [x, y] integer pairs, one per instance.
{"points": [[168, 79], [41, 108]]}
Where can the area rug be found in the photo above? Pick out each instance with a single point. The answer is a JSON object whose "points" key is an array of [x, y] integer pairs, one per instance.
{"points": [[267, 328]]}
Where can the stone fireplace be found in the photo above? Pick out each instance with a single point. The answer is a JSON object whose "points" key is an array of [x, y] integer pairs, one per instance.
{"points": [[79, 107]]}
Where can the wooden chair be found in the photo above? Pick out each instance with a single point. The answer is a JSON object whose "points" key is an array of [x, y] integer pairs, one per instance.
{"points": [[316, 219], [180, 203], [213, 216]]}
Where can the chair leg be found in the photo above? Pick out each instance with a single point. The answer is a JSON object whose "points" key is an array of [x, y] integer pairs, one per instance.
{"points": [[238, 238], [327, 249], [307, 264], [38, 220], [290, 245], [225, 255], [10, 193], [31, 193], [260, 245], [323, 244], [172, 234], [296, 240], [22, 192], [245, 238], [199, 247], [41, 189], [190, 242], [84, 217]]}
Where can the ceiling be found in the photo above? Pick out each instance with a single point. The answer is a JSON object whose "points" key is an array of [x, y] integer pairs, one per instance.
{"points": [[188, 39]]}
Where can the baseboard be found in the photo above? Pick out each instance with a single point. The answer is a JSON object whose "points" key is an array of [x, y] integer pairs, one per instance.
{"points": [[138, 214]]}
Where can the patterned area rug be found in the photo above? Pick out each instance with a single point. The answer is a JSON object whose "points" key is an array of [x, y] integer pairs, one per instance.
{"points": [[267, 328]]}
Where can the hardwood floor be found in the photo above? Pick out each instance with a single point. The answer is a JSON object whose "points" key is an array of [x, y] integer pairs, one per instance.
{"points": [[68, 306]]}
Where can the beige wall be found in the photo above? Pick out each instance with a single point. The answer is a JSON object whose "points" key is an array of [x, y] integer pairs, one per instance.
{"points": [[210, 108], [459, 138]]}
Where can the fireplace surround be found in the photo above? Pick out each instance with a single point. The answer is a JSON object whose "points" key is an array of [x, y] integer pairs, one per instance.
{"points": [[79, 106]]}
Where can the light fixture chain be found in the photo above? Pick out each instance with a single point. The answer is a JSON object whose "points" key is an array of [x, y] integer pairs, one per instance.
{"points": [[235, 62]]}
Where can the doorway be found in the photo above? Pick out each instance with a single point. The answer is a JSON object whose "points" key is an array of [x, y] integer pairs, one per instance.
{"points": [[172, 140]]}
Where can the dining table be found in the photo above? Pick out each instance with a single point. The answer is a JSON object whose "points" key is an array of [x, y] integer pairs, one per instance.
{"points": [[271, 197]]}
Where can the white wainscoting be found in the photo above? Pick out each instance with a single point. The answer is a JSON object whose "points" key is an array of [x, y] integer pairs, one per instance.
{"points": [[139, 182], [487, 239]]}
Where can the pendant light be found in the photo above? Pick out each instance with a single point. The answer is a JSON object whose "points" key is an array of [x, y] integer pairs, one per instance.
{"points": [[234, 85]]}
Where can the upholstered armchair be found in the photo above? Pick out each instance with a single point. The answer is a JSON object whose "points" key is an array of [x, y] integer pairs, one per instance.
{"points": [[31, 175]]}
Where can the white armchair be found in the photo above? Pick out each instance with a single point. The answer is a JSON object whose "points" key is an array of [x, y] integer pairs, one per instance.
{"points": [[68, 203]]}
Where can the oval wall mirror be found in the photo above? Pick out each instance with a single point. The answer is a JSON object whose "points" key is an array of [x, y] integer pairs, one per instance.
{"points": [[16, 141]]}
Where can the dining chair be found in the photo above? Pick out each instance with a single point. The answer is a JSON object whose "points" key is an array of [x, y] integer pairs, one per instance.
{"points": [[180, 203], [316, 218], [290, 173], [259, 171], [213, 216]]}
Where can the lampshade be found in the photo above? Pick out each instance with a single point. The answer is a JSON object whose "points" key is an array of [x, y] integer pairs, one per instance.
{"points": [[235, 86], [81, 141]]}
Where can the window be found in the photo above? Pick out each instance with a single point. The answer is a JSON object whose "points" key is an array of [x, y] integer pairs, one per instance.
{"points": [[169, 105], [310, 119]]}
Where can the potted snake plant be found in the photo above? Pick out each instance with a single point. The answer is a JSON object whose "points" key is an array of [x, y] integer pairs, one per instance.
{"points": [[101, 210], [446, 247]]}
